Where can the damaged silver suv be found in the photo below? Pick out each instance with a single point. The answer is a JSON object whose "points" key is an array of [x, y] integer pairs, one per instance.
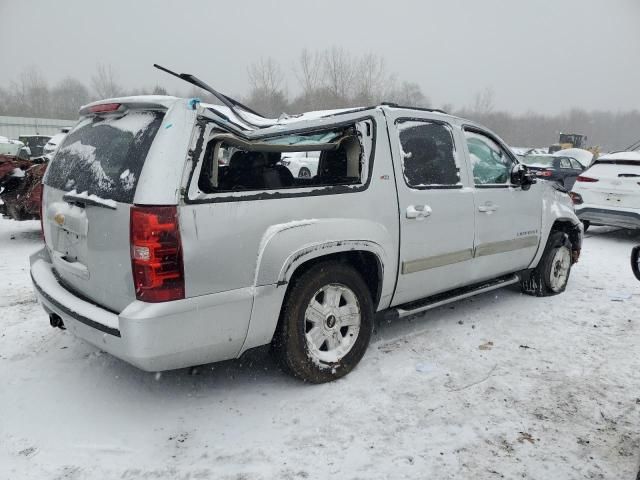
{"points": [[176, 235]]}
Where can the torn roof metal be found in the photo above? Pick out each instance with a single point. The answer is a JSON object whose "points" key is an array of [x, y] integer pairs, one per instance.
{"points": [[249, 124]]}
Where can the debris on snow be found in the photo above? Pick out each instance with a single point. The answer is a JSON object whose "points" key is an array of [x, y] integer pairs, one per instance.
{"points": [[486, 346]]}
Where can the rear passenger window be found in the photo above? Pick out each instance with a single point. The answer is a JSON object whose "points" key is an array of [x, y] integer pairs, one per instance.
{"points": [[290, 161], [575, 164], [565, 163], [428, 154], [491, 164]]}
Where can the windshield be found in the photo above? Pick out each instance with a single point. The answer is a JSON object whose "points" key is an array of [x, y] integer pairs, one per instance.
{"points": [[104, 155], [538, 160]]}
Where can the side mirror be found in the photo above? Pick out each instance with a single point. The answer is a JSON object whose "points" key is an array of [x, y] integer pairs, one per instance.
{"points": [[635, 261], [521, 177]]}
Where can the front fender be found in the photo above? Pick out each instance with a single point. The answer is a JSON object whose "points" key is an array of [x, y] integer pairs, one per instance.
{"points": [[556, 206]]}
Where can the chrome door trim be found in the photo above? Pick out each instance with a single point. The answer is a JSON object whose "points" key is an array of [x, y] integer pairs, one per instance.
{"points": [[427, 263], [493, 248], [503, 246]]}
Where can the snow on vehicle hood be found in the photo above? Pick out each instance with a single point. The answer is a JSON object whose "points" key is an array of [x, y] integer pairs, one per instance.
{"points": [[583, 156]]}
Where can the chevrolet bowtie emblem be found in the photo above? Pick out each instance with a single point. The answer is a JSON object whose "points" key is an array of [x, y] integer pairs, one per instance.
{"points": [[59, 219]]}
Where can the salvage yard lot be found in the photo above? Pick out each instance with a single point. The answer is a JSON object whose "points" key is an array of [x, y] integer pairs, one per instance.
{"points": [[499, 386]]}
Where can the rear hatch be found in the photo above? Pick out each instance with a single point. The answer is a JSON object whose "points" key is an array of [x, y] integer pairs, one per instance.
{"points": [[89, 189], [611, 184]]}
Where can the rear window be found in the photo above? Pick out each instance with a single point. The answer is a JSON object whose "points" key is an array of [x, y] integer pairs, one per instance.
{"points": [[104, 155], [290, 161], [538, 160]]}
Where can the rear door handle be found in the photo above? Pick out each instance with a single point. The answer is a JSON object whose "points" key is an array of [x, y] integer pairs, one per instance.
{"points": [[418, 212], [488, 208]]}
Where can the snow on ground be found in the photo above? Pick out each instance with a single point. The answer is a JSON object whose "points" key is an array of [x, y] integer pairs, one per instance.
{"points": [[499, 386]]}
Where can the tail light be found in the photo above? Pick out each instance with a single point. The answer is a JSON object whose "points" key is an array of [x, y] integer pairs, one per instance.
{"points": [[544, 173], [576, 198], [156, 254], [582, 178], [104, 108], [42, 212]]}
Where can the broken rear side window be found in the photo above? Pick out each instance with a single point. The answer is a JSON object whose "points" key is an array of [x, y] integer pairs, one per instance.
{"points": [[428, 154], [334, 157], [104, 155]]}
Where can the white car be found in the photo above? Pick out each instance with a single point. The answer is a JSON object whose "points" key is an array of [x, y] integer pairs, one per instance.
{"points": [[51, 146], [301, 164], [608, 193], [14, 148]]}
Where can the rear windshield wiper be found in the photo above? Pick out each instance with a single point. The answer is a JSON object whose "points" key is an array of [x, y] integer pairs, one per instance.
{"points": [[229, 102], [83, 199]]}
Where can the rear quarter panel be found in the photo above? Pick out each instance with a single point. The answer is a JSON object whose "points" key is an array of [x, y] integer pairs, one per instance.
{"points": [[161, 176], [253, 243]]}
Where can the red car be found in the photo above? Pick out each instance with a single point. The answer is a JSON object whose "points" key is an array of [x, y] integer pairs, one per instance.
{"points": [[20, 187]]}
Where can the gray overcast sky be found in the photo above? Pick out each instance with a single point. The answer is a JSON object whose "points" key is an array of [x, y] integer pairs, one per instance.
{"points": [[543, 55]]}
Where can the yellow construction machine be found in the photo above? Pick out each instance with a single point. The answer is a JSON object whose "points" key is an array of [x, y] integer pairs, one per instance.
{"points": [[573, 140]]}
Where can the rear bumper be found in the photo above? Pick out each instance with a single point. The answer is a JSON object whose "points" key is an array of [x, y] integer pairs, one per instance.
{"points": [[624, 218], [151, 336]]}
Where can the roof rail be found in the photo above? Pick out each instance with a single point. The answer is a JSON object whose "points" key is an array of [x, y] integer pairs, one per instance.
{"points": [[633, 147], [408, 107]]}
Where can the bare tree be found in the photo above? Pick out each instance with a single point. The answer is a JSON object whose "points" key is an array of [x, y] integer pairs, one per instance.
{"points": [[372, 82], [483, 102], [30, 93], [67, 97], [159, 90], [266, 75], [104, 82], [338, 73], [409, 94], [309, 71], [267, 87]]}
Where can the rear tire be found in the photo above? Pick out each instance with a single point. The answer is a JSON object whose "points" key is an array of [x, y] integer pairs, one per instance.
{"points": [[325, 324], [304, 172], [551, 275], [635, 261]]}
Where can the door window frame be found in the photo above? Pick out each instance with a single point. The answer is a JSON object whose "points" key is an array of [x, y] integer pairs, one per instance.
{"points": [[568, 161], [579, 168], [501, 145], [456, 158]]}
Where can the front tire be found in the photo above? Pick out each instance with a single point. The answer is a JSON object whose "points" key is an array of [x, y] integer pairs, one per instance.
{"points": [[325, 324], [551, 275]]}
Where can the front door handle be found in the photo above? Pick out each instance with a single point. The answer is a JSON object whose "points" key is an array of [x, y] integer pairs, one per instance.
{"points": [[488, 208], [418, 212]]}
